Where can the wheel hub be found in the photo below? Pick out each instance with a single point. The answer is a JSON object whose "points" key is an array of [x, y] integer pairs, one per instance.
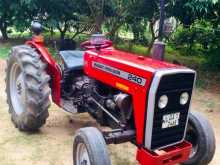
{"points": [[82, 155], [84, 162], [17, 89], [20, 85]]}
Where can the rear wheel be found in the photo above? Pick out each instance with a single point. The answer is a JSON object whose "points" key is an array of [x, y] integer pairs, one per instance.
{"points": [[89, 148], [27, 89], [201, 135]]}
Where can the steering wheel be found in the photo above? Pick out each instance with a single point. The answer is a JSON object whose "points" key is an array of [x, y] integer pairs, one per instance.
{"points": [[89, 45]]}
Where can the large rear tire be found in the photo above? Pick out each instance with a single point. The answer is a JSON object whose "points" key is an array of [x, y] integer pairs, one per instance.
{"points": [[89, 148], [27, 88], [201, 135]]}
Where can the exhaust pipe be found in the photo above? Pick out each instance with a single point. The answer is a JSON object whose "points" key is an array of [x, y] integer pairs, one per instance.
{"points": [[158, 50]]}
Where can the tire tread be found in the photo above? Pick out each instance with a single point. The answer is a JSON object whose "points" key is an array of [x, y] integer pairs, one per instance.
{"points": [[37, 88]]}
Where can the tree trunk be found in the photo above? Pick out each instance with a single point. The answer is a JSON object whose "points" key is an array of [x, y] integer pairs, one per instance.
{"points": [[51, 33], [99, 21], [113, 29], [150, 46], [63, 30], [136, 33], [62, 35], [113, 33], [153, 37], [4, 33]]}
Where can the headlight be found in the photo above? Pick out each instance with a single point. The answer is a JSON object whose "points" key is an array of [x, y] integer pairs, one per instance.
{"points": [[184, 98], [163, 101]]}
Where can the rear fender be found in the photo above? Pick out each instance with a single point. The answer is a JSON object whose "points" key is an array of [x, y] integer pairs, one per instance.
{"points": [[52, 69]]}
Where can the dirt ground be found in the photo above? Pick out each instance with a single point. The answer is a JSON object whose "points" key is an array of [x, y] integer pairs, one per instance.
{"points": [[53, 144]]}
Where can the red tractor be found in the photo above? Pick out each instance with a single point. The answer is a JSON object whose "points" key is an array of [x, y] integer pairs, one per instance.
{"points": [[144, 101]]}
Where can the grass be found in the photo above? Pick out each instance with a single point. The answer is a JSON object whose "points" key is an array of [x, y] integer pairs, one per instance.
{"points": [[4, 50], [137, 49]]}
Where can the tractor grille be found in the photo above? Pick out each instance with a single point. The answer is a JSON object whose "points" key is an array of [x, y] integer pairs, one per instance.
{"points": [[173, 86]]}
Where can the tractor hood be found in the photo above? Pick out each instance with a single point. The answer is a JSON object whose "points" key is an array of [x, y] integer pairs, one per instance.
{"points": [[137, 61], [139, 76]]}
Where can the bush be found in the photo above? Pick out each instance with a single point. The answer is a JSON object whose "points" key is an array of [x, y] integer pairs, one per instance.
{"points": [[213, 61], [199, 39]]}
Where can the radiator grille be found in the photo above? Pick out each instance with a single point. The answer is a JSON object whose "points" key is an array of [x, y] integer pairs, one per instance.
{"points": [[172, 86]]}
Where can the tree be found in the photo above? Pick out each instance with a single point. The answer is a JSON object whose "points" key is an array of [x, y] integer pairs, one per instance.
{"points": [[7, 13], [97, 12], [100, 10], [27, 12], [188, 11], [17, 14], [65, 15], [150, 11], [141, 14], [214, 14], [117, 15]]}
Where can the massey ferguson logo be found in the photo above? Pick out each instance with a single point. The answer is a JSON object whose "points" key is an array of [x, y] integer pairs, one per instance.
{"points": [[119, 73]]}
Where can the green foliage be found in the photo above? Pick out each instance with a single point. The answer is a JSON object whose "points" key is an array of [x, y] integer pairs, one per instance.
{"points": [[201, 39], [213, 61], [7, 13], [196, 62], [121, 14], [65, 15], [188, 11], [133, 48], [197, 34], [201, 33], [4, 50]]}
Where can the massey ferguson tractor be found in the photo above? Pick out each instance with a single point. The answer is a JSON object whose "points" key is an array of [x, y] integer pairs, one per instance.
{"points": [[142, 100]]}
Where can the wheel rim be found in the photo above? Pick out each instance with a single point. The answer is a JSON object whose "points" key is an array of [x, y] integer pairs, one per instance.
{"points": [[192, 137], [17, 89], [82, 156]]}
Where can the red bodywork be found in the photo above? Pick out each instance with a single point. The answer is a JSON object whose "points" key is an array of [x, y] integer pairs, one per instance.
{"points": [[169, 156], [140, 66]]}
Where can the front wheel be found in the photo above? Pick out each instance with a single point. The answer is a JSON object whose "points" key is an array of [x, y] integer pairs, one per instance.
{"points": [[89, 148], [201, 135]]}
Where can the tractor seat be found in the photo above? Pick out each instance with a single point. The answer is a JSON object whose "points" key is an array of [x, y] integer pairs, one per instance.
{"points": [[73, 59]]}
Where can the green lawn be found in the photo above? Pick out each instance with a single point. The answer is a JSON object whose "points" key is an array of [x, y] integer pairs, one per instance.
{"points": [[4, 50]]}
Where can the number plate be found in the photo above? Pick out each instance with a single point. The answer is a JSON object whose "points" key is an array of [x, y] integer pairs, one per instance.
{"points": [[170, 120]]}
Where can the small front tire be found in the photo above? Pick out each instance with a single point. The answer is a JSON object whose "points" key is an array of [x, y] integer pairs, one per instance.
{"points": [[89, 148], [201, 135]]}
